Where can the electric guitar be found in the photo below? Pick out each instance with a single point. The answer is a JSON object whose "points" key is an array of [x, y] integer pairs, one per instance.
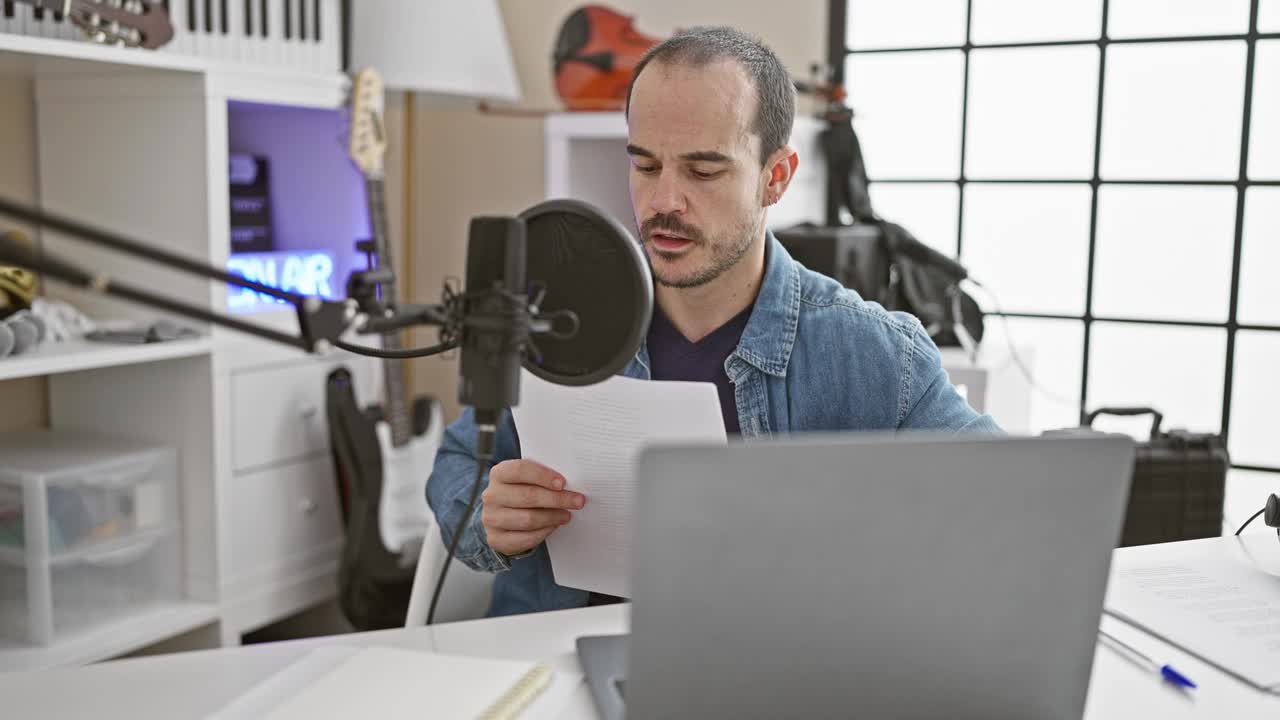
{"points": [[133, 23], [383, 462]]}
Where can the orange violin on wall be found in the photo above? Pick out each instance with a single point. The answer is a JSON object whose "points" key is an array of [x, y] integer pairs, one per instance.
{"points": [[595, 55]]}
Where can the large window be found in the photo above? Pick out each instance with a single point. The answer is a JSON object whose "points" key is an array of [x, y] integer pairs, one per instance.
{"points": [[1110, 170]]}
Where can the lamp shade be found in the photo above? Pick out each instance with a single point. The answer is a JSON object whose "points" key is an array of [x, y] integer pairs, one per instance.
{"points": [[452, 48]]}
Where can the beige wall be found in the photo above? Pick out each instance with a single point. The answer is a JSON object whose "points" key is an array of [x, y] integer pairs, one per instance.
{"points": [[23, 403], [469, 164]]}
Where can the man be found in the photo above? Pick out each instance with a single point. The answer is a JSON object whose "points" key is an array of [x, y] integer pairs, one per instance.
{"points": [[709, 115]]}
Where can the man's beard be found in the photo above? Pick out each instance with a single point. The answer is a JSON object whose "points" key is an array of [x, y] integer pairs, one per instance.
{"points": [[725, 252]]}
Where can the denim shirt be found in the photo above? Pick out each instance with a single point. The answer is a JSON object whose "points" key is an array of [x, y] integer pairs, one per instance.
{"points": [[814, 357]]}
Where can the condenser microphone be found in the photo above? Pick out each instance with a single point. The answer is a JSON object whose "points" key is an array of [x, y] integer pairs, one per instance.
{"points": [[580, 264], [495, 317], [495, 326]]}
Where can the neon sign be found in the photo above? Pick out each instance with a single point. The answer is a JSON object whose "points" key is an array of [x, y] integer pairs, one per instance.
{"points": [[306, 272]]}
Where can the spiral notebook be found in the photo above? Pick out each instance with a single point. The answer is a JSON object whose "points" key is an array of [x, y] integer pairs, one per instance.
{"points": [[386, 683]]}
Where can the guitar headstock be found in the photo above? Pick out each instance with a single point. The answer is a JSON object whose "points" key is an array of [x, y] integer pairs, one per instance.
{"points": [[368, 138], [135, 23]]}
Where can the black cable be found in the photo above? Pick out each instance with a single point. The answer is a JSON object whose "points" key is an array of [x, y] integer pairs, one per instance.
{"points": [[1022, 366], [484, 456], [395, 354], [1246, 522]]}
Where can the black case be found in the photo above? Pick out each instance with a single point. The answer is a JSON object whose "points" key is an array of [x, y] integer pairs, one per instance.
{"points": [[848, 253], [1179, 479]]}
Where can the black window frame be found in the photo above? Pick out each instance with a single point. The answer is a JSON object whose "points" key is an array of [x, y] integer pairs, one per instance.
{"points": [[838, 53]]}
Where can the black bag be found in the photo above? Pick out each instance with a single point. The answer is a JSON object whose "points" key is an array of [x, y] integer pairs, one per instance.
{"points": [[1179, 479], [879, 259], [861, 257]]}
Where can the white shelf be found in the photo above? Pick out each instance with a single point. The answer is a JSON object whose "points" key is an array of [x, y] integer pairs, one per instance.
{"points": [[73, 355], [138, 541], [82, 63], [77, 56], [110, 639], [73, 50], [612, 125]]}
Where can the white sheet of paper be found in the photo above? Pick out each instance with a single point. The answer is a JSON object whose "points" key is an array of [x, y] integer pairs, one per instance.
{"points": [[593, 436], [1217, 598]]}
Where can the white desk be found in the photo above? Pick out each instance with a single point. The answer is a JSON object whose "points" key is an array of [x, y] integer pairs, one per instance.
{"points": [[193, 684]]}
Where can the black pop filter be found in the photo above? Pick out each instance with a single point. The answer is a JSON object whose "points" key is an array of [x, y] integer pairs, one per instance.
{"points": [[587, 263]]}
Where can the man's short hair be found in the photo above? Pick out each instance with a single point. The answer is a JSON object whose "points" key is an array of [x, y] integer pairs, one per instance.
{"points": [[775, 92]]}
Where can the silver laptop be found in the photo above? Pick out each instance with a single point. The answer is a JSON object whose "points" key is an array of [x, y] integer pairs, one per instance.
{"points": [[866, 576]]}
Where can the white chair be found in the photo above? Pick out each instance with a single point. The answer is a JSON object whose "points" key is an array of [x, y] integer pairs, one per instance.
{"points": [[466, 592]]}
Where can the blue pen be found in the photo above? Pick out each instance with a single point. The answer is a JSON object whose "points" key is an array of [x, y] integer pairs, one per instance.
{"points": [[1166, 671]]}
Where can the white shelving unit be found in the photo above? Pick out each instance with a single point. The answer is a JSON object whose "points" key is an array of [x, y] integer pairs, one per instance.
{"points": [[216, 38], [76, 355], [137, 142], [46, 53], [112, 638]]}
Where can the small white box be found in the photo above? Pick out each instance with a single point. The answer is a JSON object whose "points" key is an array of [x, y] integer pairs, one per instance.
{"points": [[88, 532]]}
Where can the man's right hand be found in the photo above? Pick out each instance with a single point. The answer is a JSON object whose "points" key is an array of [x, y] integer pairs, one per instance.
{"points": [[524, 503]]}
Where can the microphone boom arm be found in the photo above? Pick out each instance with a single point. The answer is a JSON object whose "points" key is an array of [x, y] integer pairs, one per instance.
{"points": [[321, 322]]}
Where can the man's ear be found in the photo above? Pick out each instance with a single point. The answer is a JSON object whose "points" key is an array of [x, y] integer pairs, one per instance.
{"points": [[779, 170]]}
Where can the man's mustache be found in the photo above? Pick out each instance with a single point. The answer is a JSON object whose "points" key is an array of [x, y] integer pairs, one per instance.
{"points": [[671, 224]]}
